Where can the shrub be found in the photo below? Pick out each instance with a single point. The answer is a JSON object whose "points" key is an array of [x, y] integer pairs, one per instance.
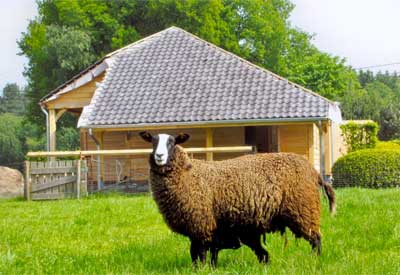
{"points": [[368, 168], [388, 145], [360, 135]]}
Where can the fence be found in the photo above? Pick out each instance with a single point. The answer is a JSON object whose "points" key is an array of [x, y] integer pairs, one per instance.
{"points": [[120, 170], [55, 179], [369, 178]]}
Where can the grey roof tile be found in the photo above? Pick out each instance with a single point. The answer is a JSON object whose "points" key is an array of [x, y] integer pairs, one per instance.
{"points": [[176, 77]]}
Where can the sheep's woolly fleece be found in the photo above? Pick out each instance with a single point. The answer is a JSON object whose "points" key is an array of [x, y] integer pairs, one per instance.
{"points": [[247, 191]]}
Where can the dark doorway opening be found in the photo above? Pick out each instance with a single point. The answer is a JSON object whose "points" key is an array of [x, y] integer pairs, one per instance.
{"points": [[264, 138]]}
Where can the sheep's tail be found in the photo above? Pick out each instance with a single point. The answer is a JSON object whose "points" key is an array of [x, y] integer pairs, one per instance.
{"points": [[329, 193]]}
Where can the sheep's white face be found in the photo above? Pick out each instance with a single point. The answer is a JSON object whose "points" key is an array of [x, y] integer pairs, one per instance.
{"points": [[163, 146], [163, 149]]}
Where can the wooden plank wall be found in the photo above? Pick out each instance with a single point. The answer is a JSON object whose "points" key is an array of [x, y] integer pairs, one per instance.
{"points": [[230, 136], [300, 139], [295, 139]]}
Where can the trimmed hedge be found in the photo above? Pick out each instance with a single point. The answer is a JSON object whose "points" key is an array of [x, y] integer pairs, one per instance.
{"points": [[373, 168], [389, 145]]}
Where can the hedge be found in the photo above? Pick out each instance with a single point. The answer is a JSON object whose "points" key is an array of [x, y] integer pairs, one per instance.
{"points": [[391, 144], [359, 136], [373, 168]]}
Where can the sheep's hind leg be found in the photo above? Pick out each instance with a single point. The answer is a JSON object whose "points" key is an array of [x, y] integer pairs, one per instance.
{"points": [[214, 256], [254, 242], [315, 242], [197, 252]]}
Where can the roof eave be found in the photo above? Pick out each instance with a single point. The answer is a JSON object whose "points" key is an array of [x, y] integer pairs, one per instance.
{"points": [[210, 123], [77, 81]]}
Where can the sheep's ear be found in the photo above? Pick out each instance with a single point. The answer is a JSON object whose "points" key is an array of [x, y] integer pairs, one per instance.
{"points": [[181, 138], [146, 136]]}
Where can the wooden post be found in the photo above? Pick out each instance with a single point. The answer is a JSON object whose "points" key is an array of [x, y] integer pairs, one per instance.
{"points": [[100, 159], [209, 142], [84, 187], [52, 129], [310, 137], [27, 181], [78, 179], [60, 113], [328, 147]]}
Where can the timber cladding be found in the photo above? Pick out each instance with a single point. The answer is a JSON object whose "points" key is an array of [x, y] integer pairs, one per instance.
{"points": [[300, 139], [296, 139]]}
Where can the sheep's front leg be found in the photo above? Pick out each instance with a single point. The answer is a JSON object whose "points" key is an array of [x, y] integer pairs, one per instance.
{"points": [[254, 242], [198, 252]]}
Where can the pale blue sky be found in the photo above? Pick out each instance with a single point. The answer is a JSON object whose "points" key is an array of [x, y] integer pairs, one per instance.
{"points": [[365, 32]]}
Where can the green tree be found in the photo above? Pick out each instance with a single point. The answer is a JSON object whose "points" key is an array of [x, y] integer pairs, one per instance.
{"points": [[13, 100], [389, 121], [56, 54], [324, 74], [11, 141]]}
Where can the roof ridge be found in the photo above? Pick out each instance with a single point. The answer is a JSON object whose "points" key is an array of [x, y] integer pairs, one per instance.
{"points": [[255, 65], [144, 39]]}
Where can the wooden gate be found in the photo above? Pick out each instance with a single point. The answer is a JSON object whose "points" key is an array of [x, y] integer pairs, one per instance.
{"points": [[47, 180]]}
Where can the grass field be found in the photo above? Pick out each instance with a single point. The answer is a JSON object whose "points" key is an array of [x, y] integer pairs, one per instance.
{"points": [[126, 235]]}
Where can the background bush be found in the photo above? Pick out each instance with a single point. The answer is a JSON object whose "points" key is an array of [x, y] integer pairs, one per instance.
{"points": [[360, 135], [369, 168], [389, 145]]}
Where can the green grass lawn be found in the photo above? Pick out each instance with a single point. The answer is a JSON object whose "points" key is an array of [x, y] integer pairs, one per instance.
{"points": [[126, 235]]}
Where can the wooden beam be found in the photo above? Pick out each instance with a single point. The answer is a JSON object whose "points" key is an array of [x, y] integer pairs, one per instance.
{"points": [[100, 138], [54, 183], [52, 170], [310, 137], [78, 179], [328, 148], [27, 181], [136, 152], [49, 196], [60, 113], [52, 129], [196, 126], [209, 143]]}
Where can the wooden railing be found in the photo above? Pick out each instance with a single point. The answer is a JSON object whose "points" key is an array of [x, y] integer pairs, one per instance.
{"points": [[133, 152]]}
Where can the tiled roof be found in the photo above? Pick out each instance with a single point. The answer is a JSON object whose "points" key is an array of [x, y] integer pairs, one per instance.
{"points": [[175, 77]]}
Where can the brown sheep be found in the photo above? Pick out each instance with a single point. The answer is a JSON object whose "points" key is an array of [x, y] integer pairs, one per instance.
{"points": [[223, 204]]}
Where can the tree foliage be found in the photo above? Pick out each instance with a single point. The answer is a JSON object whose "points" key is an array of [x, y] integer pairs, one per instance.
{"points": [[12, 145], [360, 135], [13, 100], [68, 35], [378, 99]]}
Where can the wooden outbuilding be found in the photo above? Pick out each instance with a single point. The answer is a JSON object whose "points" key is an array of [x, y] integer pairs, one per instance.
{"points": [[173, 82]]}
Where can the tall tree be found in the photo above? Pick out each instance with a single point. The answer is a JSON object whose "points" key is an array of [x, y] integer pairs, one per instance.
{"points": [[13, 100]]}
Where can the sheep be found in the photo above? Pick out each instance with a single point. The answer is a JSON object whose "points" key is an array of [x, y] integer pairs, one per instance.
{"points": [[223, 204]]}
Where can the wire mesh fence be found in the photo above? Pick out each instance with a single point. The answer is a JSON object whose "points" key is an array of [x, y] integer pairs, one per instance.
{"points": [[369, 178], [123, 174]]}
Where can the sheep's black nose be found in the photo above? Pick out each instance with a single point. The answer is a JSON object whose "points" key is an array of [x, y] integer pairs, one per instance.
{"points": [[159, 156]]}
